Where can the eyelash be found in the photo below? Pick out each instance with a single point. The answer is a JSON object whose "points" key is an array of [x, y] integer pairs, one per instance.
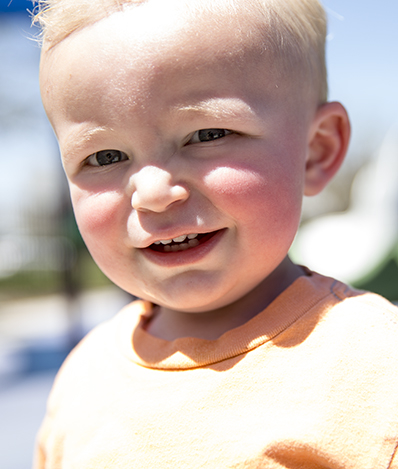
{"points": [[209, 135], [116, 156], [111, 157]]}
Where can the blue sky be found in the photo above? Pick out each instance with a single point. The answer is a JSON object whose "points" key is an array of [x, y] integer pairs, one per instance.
{"points": [[362, 53]]}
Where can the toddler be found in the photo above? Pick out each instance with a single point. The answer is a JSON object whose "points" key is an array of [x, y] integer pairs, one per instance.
{"points": [[189, 132]]}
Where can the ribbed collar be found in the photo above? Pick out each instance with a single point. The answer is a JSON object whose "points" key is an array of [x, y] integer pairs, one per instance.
{"points": [[188, 353]]}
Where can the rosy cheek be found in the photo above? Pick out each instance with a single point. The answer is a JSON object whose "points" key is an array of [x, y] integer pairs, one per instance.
{"points": [[236, 187], [245, 193], [96, 214]]}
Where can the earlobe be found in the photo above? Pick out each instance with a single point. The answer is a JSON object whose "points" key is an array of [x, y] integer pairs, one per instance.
{"points": [[328, 143]]}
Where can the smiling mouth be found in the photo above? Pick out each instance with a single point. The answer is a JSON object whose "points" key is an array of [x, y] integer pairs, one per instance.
{"points": [[181, 243]]}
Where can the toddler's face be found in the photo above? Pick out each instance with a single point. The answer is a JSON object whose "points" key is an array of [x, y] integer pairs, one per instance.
{"points": [[185, 154]]}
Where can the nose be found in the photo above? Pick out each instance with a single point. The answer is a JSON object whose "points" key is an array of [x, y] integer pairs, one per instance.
{"points": [[155, 191]]}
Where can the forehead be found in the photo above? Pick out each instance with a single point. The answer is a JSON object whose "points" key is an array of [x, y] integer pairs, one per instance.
{"points": [[175, 29], [157, 44]]}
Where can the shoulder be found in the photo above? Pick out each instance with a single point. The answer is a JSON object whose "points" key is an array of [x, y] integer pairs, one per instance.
{"points": [[350, 322], [361, 329], [353, 304], [99, 356], [365, 310]]}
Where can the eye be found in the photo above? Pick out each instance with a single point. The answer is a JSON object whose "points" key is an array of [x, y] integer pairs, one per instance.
{"points": [[208, 135], [106, 157]]}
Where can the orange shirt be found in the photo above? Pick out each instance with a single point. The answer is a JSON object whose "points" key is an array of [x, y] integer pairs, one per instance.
{"points": [[310, 382]]}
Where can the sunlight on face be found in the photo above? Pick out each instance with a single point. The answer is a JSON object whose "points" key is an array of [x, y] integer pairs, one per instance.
{"points": [[185, 157]]}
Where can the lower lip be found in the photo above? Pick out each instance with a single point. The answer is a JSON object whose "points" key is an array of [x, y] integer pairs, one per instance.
{"points": [[189, 256]]}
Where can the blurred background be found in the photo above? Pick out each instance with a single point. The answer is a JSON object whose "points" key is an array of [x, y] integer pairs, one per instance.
{"points": [[51, 293]]}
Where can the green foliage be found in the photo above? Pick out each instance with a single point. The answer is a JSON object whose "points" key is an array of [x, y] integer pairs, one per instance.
{"points": [[84, 275], [384, 281]]}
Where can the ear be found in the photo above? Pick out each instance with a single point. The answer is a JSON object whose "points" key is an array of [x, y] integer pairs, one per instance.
{"points": [[328, 142]]}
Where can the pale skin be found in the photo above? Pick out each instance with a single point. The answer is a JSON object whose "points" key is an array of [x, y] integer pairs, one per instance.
{"points": [[140, 83]]}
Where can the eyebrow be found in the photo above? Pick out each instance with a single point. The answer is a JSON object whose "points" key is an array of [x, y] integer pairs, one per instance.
{"points": [[219, 108], [76, 140]]}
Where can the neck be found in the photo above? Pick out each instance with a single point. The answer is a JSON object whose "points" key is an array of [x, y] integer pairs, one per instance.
{"points": [[170, 325]]}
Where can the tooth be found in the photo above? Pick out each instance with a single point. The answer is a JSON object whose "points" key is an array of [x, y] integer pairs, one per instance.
{"points": [[157, 242], [165, 241], [192, 236], [175, 248], [180, 239], [193, 242], [167, 248]]}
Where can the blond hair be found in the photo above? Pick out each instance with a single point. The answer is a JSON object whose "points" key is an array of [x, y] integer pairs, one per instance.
{"points": [[295, 29]]}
